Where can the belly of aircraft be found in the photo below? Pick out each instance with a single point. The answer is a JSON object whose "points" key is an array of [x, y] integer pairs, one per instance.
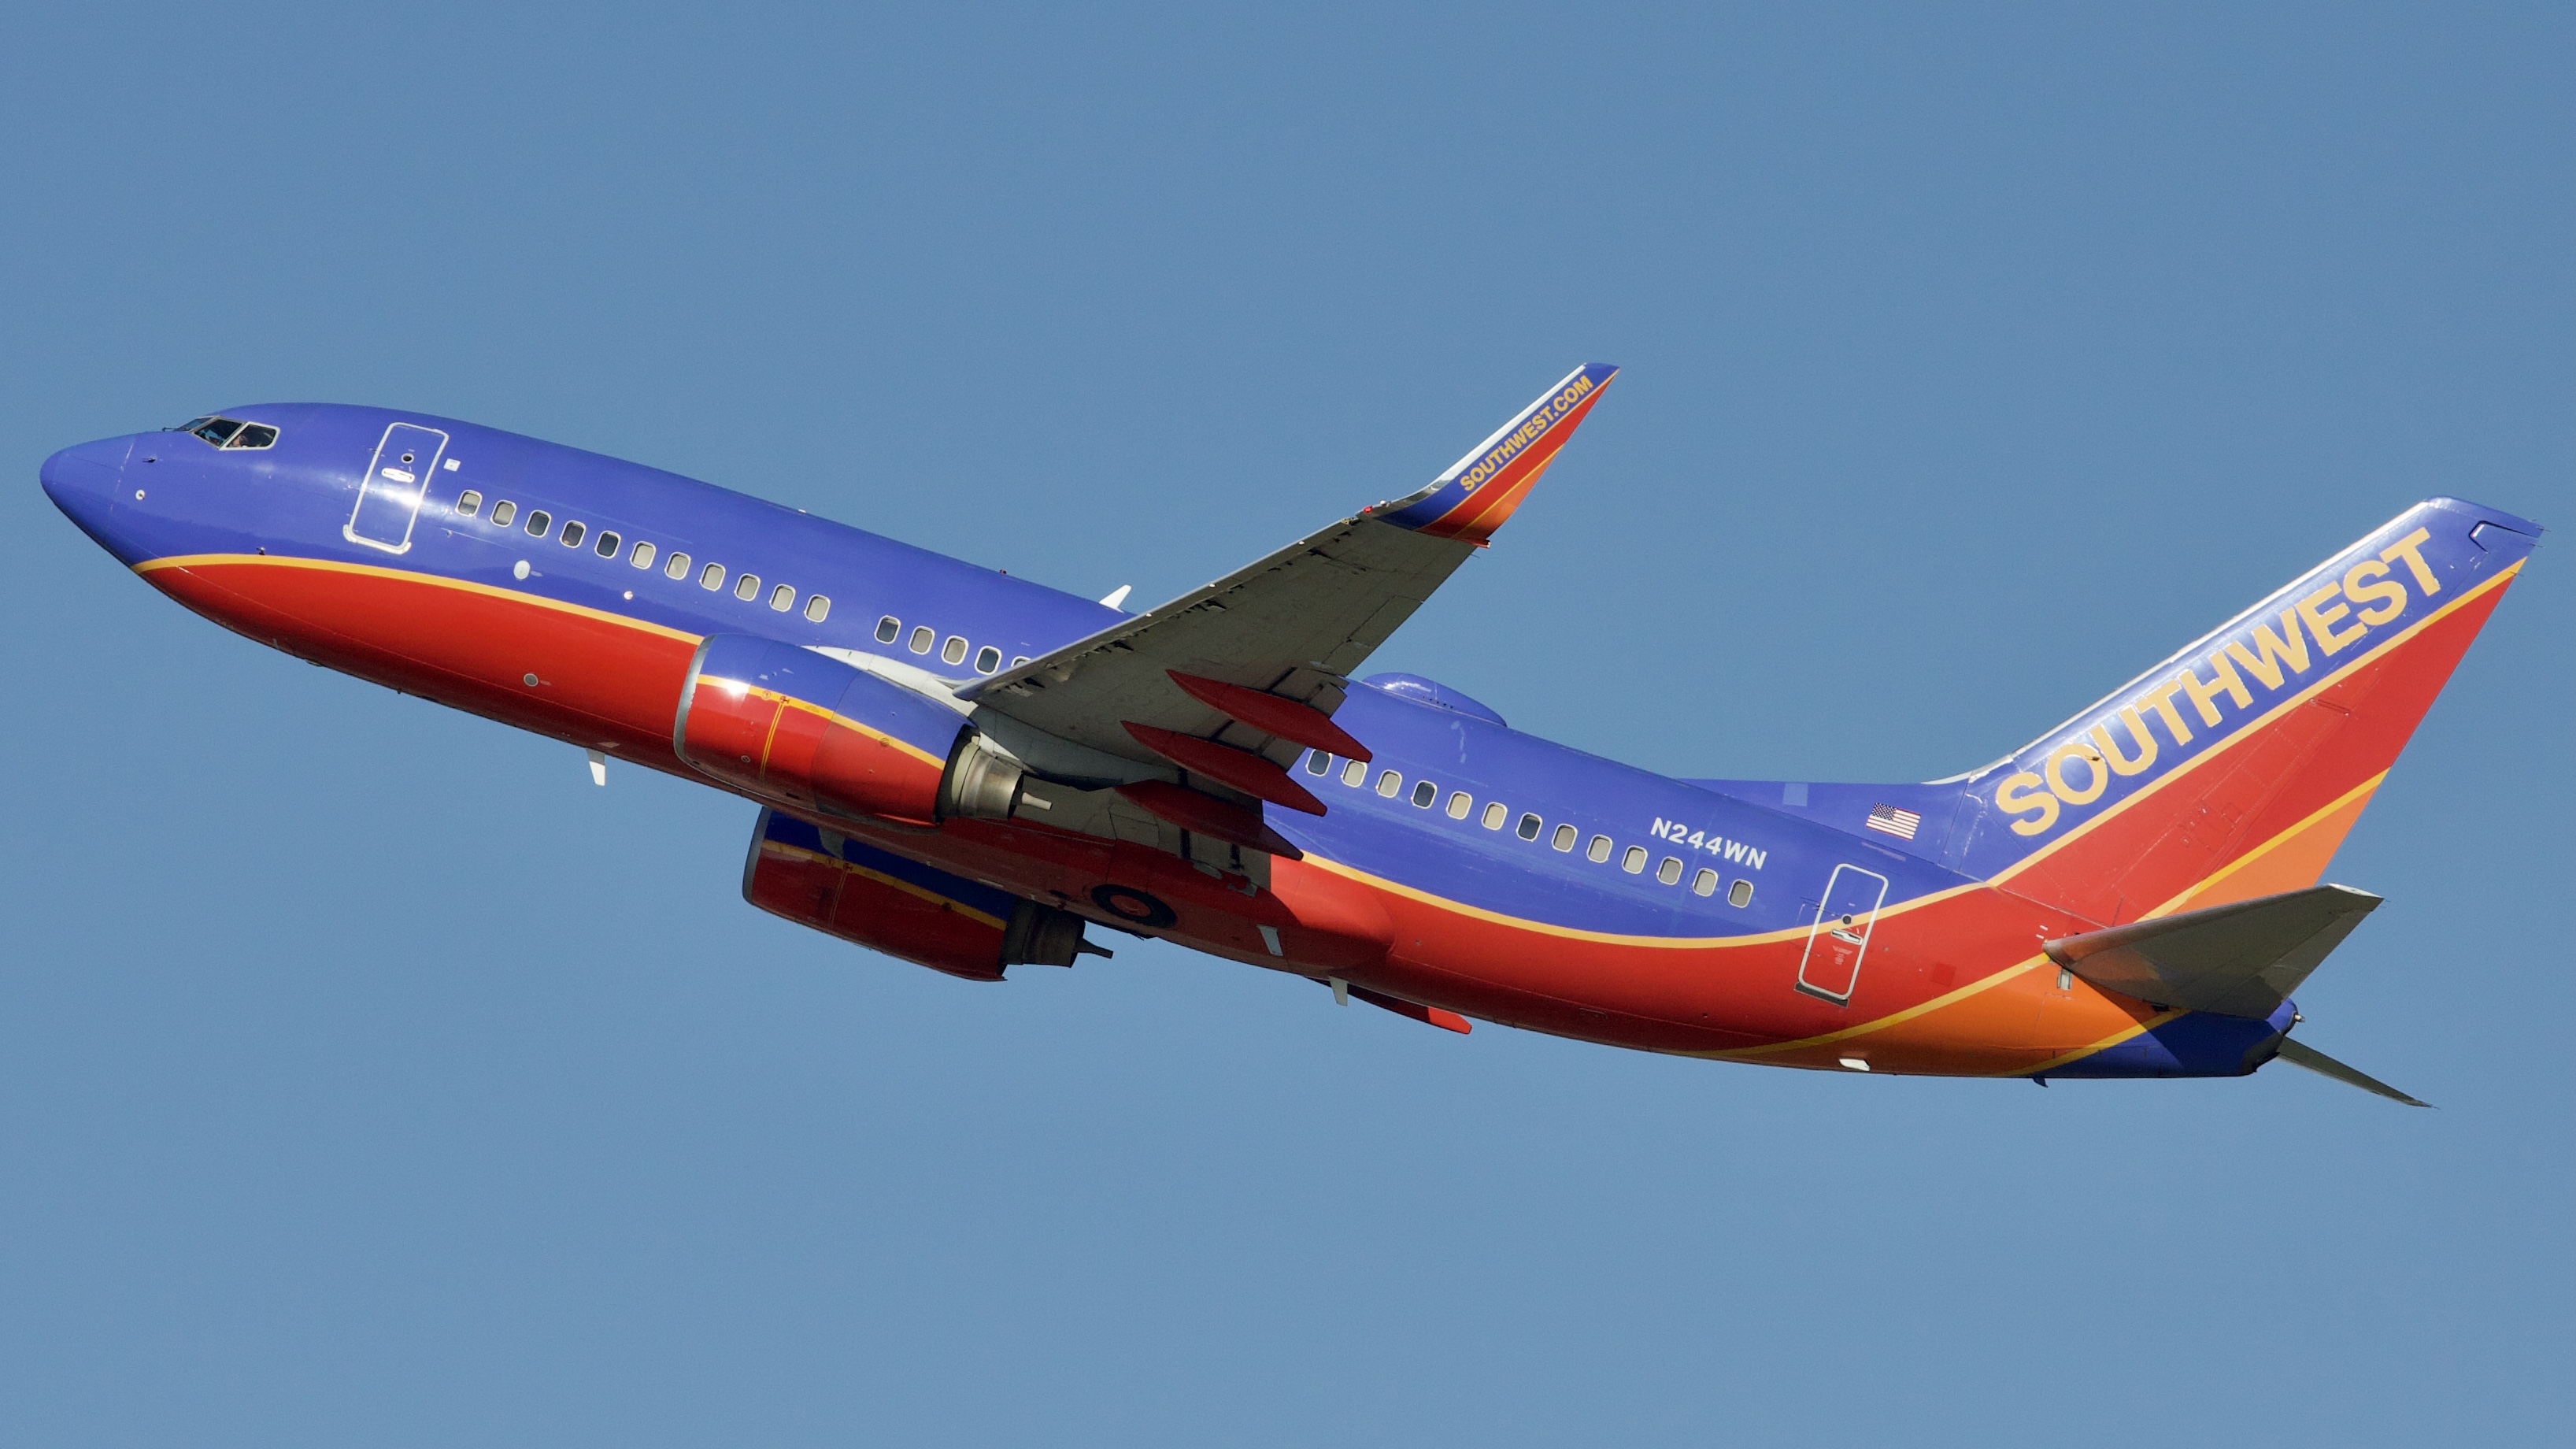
{"points": [[598, 680]]}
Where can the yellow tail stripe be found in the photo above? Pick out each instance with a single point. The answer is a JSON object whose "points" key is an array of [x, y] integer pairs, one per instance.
{"points": [[2133, 1029], [2267, 847], [1952, 998]]}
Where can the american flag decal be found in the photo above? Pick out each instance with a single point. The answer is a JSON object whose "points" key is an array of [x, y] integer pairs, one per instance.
{"points": [[1900, 823]]}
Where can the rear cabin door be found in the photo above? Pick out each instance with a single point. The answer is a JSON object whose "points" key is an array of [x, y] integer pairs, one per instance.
{"points": [[1840, 935], [396, 478]]}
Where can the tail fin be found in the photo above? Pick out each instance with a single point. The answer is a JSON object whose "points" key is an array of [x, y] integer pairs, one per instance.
{"points": [[1480, 490], [2234, 768]]}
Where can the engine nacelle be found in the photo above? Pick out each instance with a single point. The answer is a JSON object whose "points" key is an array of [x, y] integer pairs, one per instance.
{"points": [[803, 728], [882, 901]]}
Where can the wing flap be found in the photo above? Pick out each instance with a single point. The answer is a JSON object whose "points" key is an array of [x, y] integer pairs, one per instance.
{"points": [[1296, 723]]}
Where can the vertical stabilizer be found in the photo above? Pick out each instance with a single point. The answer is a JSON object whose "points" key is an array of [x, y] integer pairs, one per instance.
{"points": [[2234, 768]]}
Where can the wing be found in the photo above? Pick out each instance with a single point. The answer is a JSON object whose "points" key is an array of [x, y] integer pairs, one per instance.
{"points": [[1232, 681]]}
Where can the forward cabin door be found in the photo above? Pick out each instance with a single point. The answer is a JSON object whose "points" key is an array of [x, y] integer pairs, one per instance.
{"points": [[396, 478], [1840, 935]]}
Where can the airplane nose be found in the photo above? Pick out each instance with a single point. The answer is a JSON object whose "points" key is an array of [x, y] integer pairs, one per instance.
{"points": [[84, 480]]}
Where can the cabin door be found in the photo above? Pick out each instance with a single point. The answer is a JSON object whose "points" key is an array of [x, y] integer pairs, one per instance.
{"points": [[1840, 935], [396, 478]]}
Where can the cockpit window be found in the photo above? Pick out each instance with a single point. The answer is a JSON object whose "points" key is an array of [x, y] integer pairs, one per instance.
{"points": [[230, 432]]}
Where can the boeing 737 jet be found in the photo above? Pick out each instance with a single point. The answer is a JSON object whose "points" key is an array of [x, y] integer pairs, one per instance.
{"points": [[971, 771]]}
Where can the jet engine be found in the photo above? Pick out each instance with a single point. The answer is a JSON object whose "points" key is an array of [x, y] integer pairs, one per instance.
{"points": [[790, 725], [873, 898]]}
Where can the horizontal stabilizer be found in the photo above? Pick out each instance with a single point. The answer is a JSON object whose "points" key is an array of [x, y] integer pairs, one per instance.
{"points": [[2299, 1055], [2241, 959]]}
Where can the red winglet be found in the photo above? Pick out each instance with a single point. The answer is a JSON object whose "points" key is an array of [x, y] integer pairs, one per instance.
{"points": [[1445, 1020], [1299, 723], [1249, 773], [1209, 816]]}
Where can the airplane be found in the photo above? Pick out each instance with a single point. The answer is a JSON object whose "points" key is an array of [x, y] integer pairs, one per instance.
{"points": [[967, 770]]}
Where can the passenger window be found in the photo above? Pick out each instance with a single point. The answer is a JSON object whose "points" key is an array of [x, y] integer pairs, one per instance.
{"points": [[1704, 883], [711, 578], [538, 522], [1353, 772], [782, 599], [642, 558], [1634, 860], [1598, 850], [817, 607], [259, 435], [467, 502], [1529, 827], [1019, 660], [1495, 815], [887, 628], [747, 587], [1388, 783], [1459, 805], [1670, 872], [987, 659], [572, 534], [922, 635], [607, 545], [1423, 794], [1563, 839], [953, 652], [1318, 763], [1740, 894], [677, 567], [503, 512]]}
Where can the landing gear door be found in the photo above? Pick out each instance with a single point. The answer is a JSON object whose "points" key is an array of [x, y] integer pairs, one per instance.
{"points": [[1840, 935], [396, 478]]}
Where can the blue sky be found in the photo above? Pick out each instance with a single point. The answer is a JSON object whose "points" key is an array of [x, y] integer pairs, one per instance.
{"points": [[368, 1076]]}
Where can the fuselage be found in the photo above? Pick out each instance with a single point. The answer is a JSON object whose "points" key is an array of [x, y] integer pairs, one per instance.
{"points": [[1466, 866]]}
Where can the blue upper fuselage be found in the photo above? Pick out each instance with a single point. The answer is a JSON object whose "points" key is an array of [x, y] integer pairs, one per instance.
{"points": [[1561, 874], [1596, 859], [181, 496]]}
